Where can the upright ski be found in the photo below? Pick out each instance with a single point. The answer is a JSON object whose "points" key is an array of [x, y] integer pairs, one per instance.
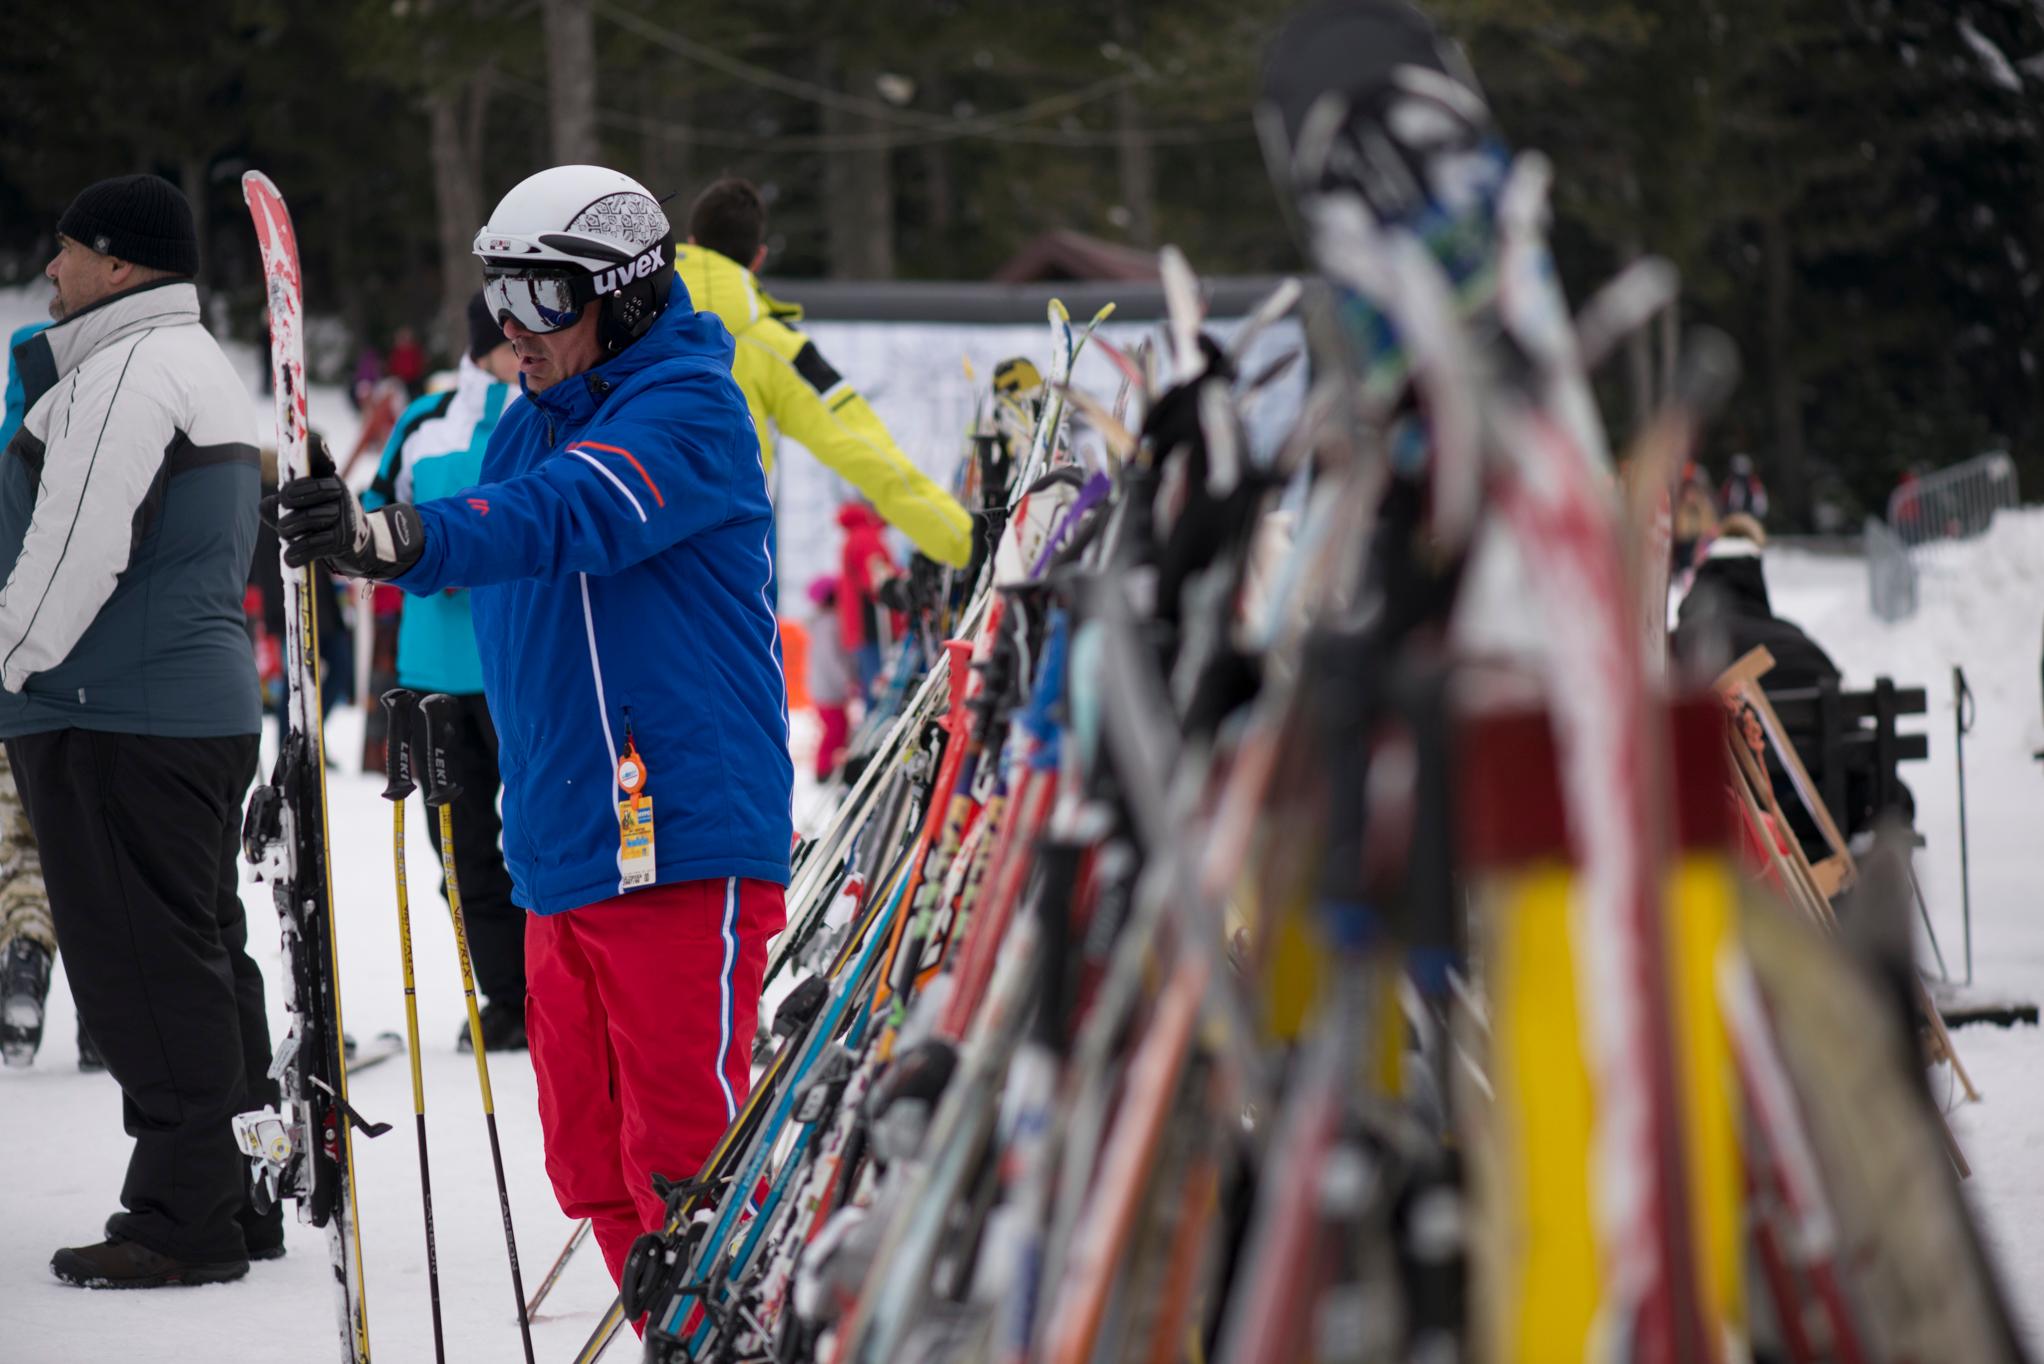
{"points": [[306, 1152]]}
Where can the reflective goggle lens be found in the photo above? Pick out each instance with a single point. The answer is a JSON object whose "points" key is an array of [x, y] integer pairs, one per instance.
{"points": [[541, 303]]}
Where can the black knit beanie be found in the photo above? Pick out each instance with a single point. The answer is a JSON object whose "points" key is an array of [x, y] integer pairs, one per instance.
{"points": [[484, 335], [140, 218]]}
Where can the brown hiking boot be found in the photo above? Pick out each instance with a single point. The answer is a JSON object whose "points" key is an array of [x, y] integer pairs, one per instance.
{"points": [[114, 1263]]}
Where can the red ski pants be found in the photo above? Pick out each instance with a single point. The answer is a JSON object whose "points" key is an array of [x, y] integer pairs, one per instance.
{"points": [[640, 1012]]}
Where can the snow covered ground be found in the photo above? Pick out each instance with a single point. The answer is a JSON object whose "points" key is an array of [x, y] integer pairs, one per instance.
{"points": [[64, 1149], [1982, 610], [61, 1132]]}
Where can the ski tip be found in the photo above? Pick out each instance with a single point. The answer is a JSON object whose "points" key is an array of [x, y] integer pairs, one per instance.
{"points": [[1183, 309], [254, 182], [1059, 314], [1121, 442], [1121, 360], [1106, 311]]}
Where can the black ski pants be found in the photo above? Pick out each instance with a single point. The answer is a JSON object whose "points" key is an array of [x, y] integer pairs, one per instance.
{"points": [[139, 837], [496, 926]]}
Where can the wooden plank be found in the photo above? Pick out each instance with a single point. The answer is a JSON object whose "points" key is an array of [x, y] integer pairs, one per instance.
{"points": [[1750, 668], [1929, 1009], [1744, 686], [1799, 775], [1798, 705], [1804, 892], [2001, 1015], [1952, 1144], [1830, 875], [1740, 682], [1856, 747], [1758, 794]]}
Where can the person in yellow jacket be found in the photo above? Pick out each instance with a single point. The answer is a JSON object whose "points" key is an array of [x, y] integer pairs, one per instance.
{"points": [[788, 383]]}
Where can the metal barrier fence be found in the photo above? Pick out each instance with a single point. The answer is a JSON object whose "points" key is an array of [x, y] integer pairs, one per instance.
{"points": [[1924, 514], [1953, 504], [1891, 574]]}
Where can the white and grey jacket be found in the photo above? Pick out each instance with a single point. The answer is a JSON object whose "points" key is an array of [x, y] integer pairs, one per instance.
{"points": [[128, 504]]}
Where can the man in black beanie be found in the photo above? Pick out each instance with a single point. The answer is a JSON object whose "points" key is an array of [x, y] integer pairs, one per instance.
{"points": [[436, 450], [129, 704], [140, 221]]}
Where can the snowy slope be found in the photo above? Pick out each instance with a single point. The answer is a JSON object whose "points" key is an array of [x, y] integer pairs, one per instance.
{"points": [[1983, 611]]}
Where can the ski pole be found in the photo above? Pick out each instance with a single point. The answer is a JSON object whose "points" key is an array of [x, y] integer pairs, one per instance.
{"points": [[1962, 721], [399, 706], [553, 1276], [441, 790]]}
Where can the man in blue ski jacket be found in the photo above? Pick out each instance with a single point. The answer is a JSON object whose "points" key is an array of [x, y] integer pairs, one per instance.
{"points": [[618, 556], [436, 450]]}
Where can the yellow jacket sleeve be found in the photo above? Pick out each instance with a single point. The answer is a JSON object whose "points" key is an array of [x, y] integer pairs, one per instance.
{"points": [[810, 402]]}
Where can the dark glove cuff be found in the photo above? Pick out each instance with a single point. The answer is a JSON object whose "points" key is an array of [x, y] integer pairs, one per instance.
{"points": [[407, 532]]}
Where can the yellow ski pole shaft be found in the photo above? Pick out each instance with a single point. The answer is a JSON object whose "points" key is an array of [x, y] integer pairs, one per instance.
{"points": [[399, 708], [441, 790]]}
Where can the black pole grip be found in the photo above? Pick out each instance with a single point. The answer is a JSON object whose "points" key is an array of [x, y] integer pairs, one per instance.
{"points": [[400, 705], [436, 714]]}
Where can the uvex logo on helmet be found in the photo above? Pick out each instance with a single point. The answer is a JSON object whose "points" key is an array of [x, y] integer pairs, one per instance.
{"points": [[618, 276]]}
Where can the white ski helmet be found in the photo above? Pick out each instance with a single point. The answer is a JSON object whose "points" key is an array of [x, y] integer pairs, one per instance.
{"points": [[572, 236]]}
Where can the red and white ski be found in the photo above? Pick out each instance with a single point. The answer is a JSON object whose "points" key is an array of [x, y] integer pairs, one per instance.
{"points": [[306, 1152]]}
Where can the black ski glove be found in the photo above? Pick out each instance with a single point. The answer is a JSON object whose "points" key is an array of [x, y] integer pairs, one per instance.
{"points": [[320, 519]]}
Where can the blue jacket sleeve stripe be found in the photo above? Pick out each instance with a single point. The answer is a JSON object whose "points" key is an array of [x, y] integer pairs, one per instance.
{"points": [[615, 481]]}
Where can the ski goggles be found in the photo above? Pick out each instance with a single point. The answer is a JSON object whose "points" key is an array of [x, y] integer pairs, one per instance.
{"points": [[541, 302]]}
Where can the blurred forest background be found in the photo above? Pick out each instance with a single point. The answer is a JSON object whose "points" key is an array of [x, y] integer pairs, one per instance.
{"points": [[1851, 188]]}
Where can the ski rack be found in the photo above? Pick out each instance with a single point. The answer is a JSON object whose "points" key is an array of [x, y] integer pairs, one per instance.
{"points": [[1812, 887]]}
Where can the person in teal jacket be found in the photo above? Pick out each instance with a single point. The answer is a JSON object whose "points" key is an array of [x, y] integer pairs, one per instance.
{"points": [[436, 450], [17, 403]]}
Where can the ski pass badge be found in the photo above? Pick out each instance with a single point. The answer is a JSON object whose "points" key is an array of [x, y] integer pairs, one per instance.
{"points": [[635, 860]]}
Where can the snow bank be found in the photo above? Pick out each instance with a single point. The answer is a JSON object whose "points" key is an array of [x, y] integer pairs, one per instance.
{"points": [[1982, 609]]}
